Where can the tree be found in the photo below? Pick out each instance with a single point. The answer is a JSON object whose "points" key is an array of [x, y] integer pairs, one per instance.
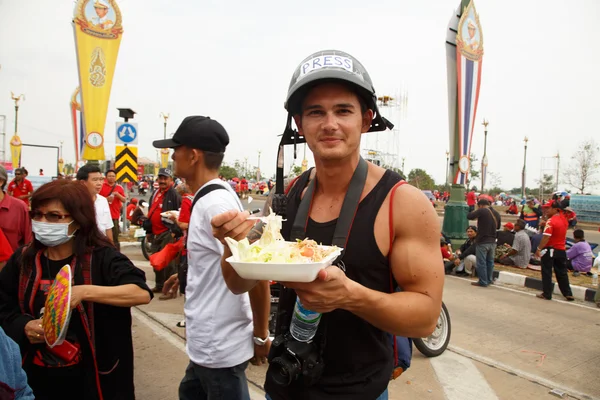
{"points": [[546, 184], [421, 179], [582, 171], [296, 170], [69, 169], [227, 172], [473, 173]]}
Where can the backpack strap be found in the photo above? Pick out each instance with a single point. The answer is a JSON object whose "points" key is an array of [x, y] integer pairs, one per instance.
{"points": [[397, 369], [204, 191]]}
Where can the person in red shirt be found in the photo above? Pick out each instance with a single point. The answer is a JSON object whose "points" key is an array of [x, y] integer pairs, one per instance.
{"points": [[15, 223], [116, 197], [471, 199], [554, 243], [165, 198], [130, 207], [447, 255], [20, 188]]}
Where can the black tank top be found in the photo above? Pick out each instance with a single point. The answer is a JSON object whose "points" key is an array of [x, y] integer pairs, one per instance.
{"points": [[358, 356]]}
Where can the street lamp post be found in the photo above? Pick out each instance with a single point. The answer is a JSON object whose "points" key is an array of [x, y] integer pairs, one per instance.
{"points": [[258, 169], [447, 165], [164, 153], [524, 168], [15, 141], [484, 161]]}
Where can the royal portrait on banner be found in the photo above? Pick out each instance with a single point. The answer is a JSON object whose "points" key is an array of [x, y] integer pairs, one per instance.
{"points": [[101, 18], [469, 39]]}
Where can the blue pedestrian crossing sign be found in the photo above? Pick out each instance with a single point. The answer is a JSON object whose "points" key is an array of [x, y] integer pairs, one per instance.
{"points": [[127, 133]]}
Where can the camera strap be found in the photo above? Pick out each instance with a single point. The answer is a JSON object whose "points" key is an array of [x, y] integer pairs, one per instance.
{"points": [[347, 213]]}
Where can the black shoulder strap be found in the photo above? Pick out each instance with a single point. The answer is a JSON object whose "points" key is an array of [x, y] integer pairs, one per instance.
{"points": [[347, 213], [204, 191]]}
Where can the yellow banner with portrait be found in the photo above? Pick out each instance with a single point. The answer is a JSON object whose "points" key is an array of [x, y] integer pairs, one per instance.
{"points": [[98, 31]]}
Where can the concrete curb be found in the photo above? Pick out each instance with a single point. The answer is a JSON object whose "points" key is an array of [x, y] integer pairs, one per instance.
{"points": [[511, 278], [129, 244]]}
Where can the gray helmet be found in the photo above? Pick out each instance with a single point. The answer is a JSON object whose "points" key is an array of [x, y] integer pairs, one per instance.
{"points": [[334, 65]]}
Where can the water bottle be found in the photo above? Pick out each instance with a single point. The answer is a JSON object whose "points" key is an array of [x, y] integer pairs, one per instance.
{"points": [[304, 323], [595, 279]]}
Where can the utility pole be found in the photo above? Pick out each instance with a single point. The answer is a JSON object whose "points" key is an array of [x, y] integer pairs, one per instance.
{"points": [[524, 168], [447, 165], [557, 170], [403, 159]]}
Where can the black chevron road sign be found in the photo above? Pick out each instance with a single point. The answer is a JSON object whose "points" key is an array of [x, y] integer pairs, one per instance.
{"points": [[126, 163]]}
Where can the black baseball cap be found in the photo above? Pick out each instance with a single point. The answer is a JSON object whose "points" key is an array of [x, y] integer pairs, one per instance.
{"points": [[197, 132], [165, 172]]}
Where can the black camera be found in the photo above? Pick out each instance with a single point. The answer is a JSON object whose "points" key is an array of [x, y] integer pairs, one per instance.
{"points": [[279, 204], [292, 359]]}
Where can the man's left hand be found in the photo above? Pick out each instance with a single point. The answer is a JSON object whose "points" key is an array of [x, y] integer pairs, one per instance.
{"points": [[330, 291], [261, 353]]}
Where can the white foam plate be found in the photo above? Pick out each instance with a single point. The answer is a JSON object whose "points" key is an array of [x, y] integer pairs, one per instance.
{"points": [[303, 272]]}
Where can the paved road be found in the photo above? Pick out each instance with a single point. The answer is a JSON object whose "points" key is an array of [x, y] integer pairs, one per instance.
{"points": [[506, 344]]}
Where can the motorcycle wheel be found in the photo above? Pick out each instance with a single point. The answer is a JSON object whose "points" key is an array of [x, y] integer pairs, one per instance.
{"points": [[146, 248], [436, 343]]}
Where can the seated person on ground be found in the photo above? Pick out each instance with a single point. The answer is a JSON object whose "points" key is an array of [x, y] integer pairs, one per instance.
{"points": [[506, 235], [519, 253], [512, 209], [465, 256], [447, 255], [580, 256]]}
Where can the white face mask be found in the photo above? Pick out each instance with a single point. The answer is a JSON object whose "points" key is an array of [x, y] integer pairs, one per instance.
{"points": [[51, 234]]}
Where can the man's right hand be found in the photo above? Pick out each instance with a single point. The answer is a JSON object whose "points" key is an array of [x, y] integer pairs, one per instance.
{"points": [[233, 224], [34, 331]]}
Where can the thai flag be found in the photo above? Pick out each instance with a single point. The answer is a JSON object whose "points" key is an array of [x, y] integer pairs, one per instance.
{"points": [[469, 81]]}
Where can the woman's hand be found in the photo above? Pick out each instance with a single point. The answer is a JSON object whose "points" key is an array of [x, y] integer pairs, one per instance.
{"points": [[78, 294], [34, 331]]}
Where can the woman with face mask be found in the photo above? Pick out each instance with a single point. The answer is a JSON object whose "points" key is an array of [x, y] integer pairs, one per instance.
{"points": [[96, 359]]}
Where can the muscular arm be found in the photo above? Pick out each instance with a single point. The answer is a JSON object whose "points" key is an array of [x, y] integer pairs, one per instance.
{"points": [[417, 266]]}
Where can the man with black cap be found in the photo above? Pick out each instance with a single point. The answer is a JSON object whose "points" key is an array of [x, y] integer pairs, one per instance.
{"points": [[223, 330], [488, 223], [554, 244], [165, 198]]}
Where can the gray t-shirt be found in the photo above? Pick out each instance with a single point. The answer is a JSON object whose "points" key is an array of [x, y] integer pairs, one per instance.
{"points": [[523, 246]]}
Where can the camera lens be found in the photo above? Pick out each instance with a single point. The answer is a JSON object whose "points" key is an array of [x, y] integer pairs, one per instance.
{"points": [[283, 370]]}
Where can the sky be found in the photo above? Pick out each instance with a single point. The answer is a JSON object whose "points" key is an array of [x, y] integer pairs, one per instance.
{"points": [[233, 60]]}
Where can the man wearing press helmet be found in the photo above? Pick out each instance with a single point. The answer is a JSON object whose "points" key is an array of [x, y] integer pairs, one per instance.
{"points": [[332, 102]]}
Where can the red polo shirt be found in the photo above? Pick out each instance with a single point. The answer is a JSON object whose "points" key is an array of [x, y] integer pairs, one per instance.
{"points": [[15, 222], [154, 213], [556, 228], [115, 205], [16, 189]]}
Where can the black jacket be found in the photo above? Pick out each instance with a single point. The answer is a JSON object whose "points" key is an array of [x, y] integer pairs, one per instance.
{"points": [[467, 249], [487, 225]]}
